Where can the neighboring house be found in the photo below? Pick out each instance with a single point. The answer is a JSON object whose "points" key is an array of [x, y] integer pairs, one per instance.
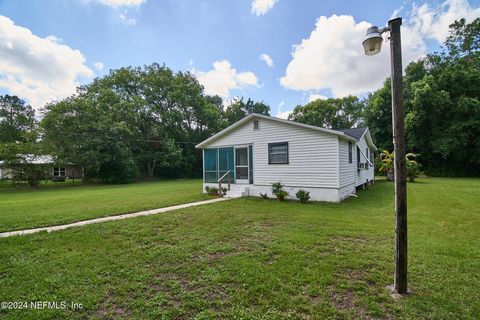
{"points": [[52, 170], [260, 150]]}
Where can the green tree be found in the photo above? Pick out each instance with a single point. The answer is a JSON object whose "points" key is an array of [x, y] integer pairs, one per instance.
{"points": [[17, 120], [240, 109], [332, 113], [134, 121], [442, 105]]}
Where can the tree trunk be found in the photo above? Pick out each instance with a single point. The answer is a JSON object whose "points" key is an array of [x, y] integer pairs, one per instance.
{"points": [[390, 175], [151, 168]]}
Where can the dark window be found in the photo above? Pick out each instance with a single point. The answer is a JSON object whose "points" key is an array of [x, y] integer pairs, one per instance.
{"points": [[255, 124], [358, 155], [59, 172], [366, 159], [350, 153], [278, 153], [250, 164]]}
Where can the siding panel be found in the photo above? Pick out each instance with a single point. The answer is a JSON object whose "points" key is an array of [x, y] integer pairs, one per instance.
{"points": [[347, 170]]}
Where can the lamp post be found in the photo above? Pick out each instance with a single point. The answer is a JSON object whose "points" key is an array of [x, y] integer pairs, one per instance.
{"points": [[372, 44]]}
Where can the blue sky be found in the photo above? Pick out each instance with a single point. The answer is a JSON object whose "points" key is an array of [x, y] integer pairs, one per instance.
{"points": [[50, 46]]}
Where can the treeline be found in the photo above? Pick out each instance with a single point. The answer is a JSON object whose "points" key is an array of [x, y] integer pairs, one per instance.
{"points": [[145, 121], [132, 123], [442, 107]]}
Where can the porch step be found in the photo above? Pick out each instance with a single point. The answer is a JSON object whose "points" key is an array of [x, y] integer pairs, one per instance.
{"points": [[237, 191]]}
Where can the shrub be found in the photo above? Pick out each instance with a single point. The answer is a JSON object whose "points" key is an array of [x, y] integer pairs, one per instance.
{"points": [[264, 195], [303, 196], [211, 191], [277, 190], [412, 166]]}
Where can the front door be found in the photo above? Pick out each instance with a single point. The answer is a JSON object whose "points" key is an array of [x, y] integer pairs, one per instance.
{"points": [[241, 165]]}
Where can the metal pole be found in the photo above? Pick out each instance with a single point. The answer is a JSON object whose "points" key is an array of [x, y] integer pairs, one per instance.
{"points": [[400, 281]]}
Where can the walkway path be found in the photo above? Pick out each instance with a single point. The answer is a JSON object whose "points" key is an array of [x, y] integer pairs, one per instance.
{"points": [[110, 218]]}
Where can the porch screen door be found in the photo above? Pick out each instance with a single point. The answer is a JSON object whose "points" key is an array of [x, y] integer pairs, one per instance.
{"points": [[241, 165], [225, 163]]}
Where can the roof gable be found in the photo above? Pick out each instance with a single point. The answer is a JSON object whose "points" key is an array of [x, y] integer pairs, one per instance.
{"points": [[261, 116]]}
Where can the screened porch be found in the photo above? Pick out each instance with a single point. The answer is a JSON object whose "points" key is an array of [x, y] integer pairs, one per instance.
{"points": [[238, 161]]}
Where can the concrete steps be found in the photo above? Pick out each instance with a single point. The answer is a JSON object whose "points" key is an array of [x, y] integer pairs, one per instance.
{"points": [[237, 191]]}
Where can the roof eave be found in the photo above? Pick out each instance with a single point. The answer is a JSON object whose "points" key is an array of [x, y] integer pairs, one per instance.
{"points": [[256, 115]]}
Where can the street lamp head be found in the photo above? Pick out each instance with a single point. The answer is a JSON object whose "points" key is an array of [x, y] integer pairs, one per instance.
{"points": [[372, 42]]}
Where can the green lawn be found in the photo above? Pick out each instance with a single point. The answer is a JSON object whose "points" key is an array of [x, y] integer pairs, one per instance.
{"points": [[53, 204], [259, 259]]}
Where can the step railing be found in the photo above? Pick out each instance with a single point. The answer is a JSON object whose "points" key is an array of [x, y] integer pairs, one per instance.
{"points": [[227, 174]]}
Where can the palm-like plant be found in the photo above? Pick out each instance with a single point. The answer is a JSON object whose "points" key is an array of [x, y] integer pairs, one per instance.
{"points": [[386, 164], [412, 166]]}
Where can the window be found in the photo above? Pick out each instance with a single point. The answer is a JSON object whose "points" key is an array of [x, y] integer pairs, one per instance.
{"points": [[250, 164], [350, 152], [366, 153], [278, 153], [58, 172], [255, 124], [358, 157]]}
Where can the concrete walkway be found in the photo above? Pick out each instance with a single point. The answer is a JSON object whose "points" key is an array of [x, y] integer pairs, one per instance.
{"points": [[110, 218]]}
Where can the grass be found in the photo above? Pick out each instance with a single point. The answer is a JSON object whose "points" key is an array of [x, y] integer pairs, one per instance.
{"points": [[53, 204], [259, 259]]}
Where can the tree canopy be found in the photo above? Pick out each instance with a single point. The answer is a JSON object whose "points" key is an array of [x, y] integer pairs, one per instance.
{"points": [[442, 105], [333, 113], [17, 120], [141, 121]]}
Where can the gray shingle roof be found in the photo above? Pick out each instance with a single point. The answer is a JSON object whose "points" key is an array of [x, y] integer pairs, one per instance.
{"points": [[356, 133]]}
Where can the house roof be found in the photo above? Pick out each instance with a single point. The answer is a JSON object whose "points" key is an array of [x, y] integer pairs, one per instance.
{"points": [[356, 133], [261, 116], [33, 159], [359, 133]]}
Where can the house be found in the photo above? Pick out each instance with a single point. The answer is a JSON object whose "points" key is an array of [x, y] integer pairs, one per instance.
{"points": [[44, 162], [260, 150]]}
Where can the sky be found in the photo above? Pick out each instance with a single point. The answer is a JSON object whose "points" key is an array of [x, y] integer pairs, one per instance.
{"points": [[283, 52]]}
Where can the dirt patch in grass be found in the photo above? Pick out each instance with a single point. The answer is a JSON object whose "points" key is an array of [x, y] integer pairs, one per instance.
{"points": [[110, 310], [346, 298]]}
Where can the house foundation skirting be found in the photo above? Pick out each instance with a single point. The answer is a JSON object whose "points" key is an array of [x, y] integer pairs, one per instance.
{"points": [[316, 193]]}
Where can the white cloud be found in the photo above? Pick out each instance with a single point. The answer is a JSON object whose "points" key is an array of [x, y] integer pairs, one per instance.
{"points": [[332, 56], [283, 114], [433, 22], [315, 96], [227, 102], [38, 69], [128, 20], [98, 65], [266, 58], [122, 3], [396, 12], [260, 7], [223, 78]]}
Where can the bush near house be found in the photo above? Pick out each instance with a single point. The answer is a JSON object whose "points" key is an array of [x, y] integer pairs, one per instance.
{"points": [[303, 196], [277, 190], [212, 191]]}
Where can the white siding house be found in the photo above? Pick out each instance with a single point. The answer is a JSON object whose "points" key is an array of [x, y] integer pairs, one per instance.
{"points": [[260, 150]]}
